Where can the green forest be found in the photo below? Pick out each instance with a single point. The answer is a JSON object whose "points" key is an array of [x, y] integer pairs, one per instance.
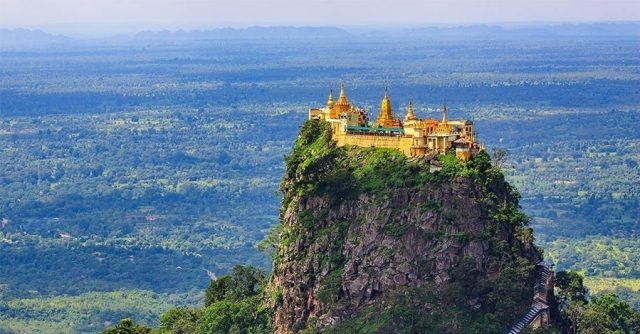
{"points": [[145, 167]]}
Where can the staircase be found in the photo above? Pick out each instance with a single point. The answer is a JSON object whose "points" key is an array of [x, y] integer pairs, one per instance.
{"points": [[528, 317], [543, 274], [539, 303]]}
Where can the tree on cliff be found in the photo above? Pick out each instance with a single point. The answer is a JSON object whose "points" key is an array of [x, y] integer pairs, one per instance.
{"points": [[233, 304], [606, 314], [244, 282], [127, 326]]}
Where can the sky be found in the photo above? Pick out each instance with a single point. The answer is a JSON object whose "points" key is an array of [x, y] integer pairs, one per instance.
{"points": [[188, 14]]}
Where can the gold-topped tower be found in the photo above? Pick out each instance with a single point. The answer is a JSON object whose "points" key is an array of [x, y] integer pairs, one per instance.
{"points": [[386, 119], [342, 105]]}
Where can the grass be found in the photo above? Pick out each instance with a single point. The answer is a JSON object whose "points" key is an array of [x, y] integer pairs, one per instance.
{"points": [[601, 284], [88, 312]]}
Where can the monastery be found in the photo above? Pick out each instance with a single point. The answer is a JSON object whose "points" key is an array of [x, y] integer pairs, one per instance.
{"points": [[413, 136]]}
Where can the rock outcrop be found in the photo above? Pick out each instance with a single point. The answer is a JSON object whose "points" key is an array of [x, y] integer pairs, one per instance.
{"points": [[414, 251]]}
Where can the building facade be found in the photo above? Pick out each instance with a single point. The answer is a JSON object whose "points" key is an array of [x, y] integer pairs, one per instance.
{"points": [[413, 136]]}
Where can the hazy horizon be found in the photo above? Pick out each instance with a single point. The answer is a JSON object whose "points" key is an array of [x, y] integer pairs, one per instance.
{"points": [[92, 30], [119, 16]]}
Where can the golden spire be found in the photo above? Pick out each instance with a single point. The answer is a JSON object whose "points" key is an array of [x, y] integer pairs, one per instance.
{"points": [[342, 99], [330, 101], [386, 118], [342, 105], [410, 115]]}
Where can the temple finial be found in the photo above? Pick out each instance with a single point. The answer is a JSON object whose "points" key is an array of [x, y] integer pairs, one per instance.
{"points": [[342, 99], [330, 101], [444, 112], [386, 117], [410, 115]]}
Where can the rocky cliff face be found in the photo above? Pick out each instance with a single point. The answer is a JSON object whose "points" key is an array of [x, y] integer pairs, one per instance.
{"points": [[373, 242]]}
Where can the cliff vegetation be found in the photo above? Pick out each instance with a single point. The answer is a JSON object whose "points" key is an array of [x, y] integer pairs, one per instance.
{"points": [[373, 241]]}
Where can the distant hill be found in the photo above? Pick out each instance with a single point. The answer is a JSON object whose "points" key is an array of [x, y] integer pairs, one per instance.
{"points": [[29, 38], [244, 33], [613, 29], [16, 38]]}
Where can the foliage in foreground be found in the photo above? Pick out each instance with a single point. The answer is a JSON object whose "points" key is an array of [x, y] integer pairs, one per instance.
{"points": [[233, 304], [576, 312], [127, 326]]}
